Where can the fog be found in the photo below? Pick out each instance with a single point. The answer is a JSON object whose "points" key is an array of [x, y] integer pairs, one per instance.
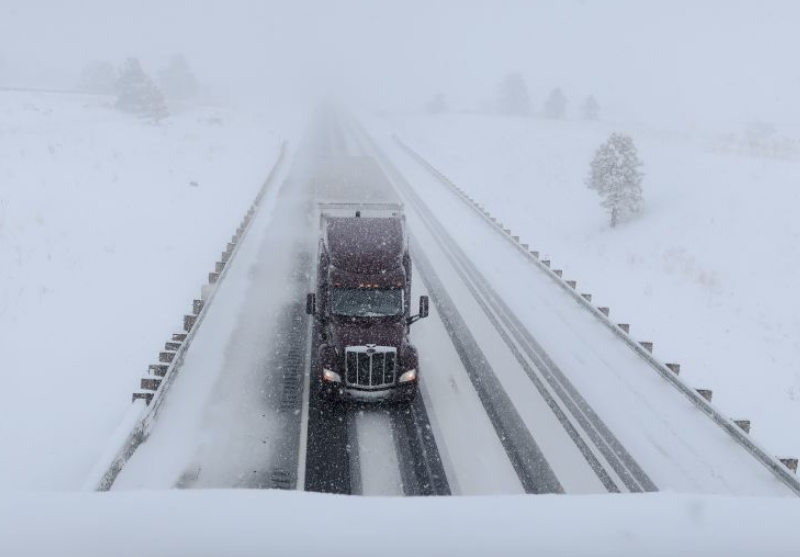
{"points": [[728, 62]]}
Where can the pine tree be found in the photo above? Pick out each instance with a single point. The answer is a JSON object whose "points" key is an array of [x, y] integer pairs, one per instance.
{"points": [[513, 98], [98, 76], [138, 94], [437, 105], [155, 107], [590, 108], [615, 176], [177, 80], [759, 131], [555, 107]]}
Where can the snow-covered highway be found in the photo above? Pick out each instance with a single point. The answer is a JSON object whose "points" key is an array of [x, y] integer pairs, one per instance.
{"points": [[522, 388]]}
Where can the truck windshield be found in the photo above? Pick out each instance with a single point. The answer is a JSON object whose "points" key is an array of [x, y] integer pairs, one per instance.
{"points": [[357, 302]]}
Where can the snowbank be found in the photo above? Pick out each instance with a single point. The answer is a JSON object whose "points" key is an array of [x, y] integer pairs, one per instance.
{"points": [[242, 523]]}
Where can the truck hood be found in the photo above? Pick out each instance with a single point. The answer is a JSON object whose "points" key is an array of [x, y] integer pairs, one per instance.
{"points": [[365, 332]]}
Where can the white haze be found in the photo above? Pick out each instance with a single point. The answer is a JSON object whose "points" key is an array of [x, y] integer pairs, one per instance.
{"points": [[722, 62]]}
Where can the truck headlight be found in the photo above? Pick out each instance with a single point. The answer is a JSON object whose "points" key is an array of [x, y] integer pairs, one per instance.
{"points": [[410, 375], [331, 376]]}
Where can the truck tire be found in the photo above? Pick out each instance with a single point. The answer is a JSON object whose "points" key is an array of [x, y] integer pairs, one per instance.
{"points": [[408, 398], [326, 396]]}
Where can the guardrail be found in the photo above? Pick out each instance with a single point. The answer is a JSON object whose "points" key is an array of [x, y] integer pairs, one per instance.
{"points": [[783, 468], [148, 400]]}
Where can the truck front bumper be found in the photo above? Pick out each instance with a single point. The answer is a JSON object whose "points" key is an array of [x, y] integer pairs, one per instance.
{"points": [[399, 393]]}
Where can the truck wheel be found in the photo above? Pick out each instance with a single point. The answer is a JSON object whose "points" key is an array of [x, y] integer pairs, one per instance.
{"points": [[408, 397], [327, 396]]}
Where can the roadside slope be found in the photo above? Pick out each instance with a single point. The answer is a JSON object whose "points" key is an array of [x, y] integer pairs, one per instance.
{"points": [[108, 226]]}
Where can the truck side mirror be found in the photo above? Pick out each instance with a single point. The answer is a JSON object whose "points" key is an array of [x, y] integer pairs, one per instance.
{"points": [[311, 304], [423, 311]]}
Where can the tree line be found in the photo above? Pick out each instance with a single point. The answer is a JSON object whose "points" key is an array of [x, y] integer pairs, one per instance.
{"points": [[614, 172], [513, 99], [137, 92]]}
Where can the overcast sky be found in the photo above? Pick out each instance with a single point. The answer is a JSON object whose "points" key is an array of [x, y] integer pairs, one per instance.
{"points": [[693, 61]]}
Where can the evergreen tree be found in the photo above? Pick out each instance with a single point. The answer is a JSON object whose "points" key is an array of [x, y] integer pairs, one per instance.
{"points": [[437, 104], [590, 108], [759, 131], [615, 176], [513, 98], [98, 76], [155, 105], [177, 80], [555, 106], [138, 94]]}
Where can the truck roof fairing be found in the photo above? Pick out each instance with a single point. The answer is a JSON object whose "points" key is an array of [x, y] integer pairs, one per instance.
{"points": [[365, 245]]}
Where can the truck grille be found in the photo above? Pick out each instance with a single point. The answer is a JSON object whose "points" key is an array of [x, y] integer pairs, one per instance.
{"points": [[370, 366]]}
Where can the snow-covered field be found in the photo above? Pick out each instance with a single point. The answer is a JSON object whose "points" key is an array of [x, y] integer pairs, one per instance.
{"points": [[708, 270], [108, 227]]}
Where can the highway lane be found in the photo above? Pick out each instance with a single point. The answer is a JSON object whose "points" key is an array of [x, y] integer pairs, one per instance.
{"points": [[538, 442], [243, 412], [360, 449]]}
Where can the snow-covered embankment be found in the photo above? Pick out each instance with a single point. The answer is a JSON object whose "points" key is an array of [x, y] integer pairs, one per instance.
{"points": [[107, 227]]}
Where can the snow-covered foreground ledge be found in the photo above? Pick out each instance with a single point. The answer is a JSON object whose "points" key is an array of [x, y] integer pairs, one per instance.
{"points": [[261, 523]]}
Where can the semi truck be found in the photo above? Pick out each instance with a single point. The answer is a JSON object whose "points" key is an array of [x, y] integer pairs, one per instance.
{"points": [[363, 304]]}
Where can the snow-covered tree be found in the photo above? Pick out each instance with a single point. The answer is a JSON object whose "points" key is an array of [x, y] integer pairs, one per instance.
{"points": [[156, 108], [614, 174], [555, 107], [138, 94], [758, 130], [98, 76], [177, 80], [590, 108], [513, 98], [437, 105]]}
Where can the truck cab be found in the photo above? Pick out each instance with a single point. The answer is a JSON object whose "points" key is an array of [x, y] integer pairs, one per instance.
{"points": [[362, 302]]}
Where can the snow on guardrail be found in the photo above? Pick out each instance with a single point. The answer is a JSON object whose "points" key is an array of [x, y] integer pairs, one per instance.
{"points": [[783, 468]]}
